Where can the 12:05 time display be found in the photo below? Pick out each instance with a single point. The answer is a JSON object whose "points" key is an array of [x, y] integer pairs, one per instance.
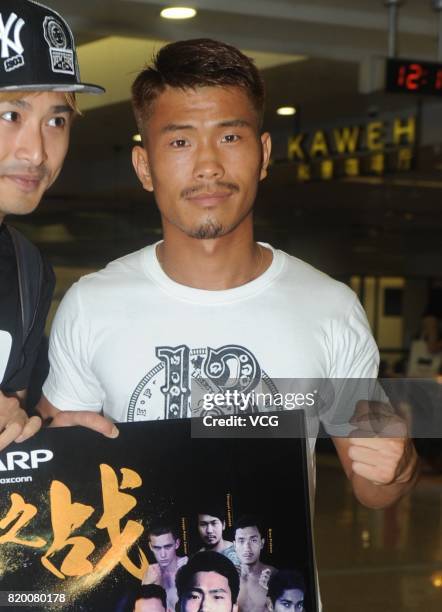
{"points": [[411, 76]]}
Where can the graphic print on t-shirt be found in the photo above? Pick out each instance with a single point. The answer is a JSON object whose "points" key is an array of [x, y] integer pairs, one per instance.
{"points": [[230, 367], [5, 351]]}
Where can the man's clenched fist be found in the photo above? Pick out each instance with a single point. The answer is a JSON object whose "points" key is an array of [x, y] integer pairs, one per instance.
{"points": [[380, 449]]}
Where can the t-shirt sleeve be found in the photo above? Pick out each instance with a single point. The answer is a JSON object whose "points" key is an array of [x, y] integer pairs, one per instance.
{"points": [[354, 370], [33, 347], [71, 384]]}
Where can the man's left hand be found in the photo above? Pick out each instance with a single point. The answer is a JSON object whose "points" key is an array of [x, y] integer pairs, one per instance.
{"points": [[379, 449]]}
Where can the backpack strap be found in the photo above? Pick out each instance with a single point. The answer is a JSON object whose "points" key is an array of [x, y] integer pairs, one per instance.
{"points": [[30, 279]]}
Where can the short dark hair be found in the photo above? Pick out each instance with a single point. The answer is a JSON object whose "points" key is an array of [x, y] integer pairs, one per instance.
{"points": [[284, 580], [161, 528], [249, 520], [207, 561], [145, 591], [212, 509], [200, 62]]}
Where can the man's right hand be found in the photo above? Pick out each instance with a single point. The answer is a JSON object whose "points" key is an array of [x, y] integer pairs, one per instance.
{"points": [[15, 425], [83, 418]]}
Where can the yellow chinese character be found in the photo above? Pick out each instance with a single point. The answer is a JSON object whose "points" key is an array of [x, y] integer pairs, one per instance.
{"points": [[66, 517], [23, 512], [327, 169], [304, 173], [404, 159], [352, 166], [377, 163], [116, 505]]}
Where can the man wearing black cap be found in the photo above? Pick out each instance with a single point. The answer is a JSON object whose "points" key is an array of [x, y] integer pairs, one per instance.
{"points": [[39, 76]]}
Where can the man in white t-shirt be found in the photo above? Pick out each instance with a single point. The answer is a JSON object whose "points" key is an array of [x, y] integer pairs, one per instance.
{"points": [[208, 304]]}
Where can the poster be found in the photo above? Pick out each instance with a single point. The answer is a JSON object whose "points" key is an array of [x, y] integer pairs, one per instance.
{"points": [[77, 511]]}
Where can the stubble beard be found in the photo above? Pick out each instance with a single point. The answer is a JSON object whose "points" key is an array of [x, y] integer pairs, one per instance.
{"points": [[210, 229]]}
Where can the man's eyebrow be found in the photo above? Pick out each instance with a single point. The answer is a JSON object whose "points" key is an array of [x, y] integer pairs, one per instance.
{"points": [[175, 127], [219, 590], [61, 108], [19, 103], [235, 123], [195, 589], [57, 109]]}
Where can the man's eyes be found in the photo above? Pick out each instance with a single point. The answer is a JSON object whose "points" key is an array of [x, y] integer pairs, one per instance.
{"points": [[14, 117], [10, 116], [299, 606], [57, 122], [230, 138], [179, 143], [194, 596]]}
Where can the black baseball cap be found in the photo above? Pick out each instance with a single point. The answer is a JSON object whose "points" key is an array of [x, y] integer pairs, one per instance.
{"points": [[37, 50]]}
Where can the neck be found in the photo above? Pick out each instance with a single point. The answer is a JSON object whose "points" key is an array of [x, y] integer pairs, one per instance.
{"points": [[220, 546], [170, 568], [252, 568], [217, 264]]}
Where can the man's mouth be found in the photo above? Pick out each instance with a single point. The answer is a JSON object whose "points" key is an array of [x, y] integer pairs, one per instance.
{"points": [[208, 199], [25, 182]]}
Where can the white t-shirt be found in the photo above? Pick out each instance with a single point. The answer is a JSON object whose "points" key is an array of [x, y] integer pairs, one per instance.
{"points": [[130, 341]]}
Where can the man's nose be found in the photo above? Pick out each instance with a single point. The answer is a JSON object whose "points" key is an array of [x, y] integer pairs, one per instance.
{"points": [[31, 145], [208, 164]]}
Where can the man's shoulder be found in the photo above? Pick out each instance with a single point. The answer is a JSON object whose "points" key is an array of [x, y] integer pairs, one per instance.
{"points": [[119, 275], [314, 285], [128, 266], [107, 289]]}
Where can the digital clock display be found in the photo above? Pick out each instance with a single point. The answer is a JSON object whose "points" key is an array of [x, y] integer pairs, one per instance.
{"points": [[411, 76]]}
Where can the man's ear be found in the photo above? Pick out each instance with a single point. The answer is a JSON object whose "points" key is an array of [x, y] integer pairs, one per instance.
{"points": [[269, 605], [266, 145], [140, 163], [235, 608], [262, 543], [177, 543]]}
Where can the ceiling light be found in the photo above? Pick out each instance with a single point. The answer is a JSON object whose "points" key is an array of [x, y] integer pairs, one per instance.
{"points": [[137, 138], [436, 579], [286, 111], [178, 12]]}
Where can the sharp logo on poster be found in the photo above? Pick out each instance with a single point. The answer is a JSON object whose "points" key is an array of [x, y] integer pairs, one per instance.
{"points": [[8, 43], [24, 461]]}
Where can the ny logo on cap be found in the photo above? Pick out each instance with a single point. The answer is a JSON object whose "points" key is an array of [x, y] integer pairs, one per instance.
{"points": [[8, 43]]}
